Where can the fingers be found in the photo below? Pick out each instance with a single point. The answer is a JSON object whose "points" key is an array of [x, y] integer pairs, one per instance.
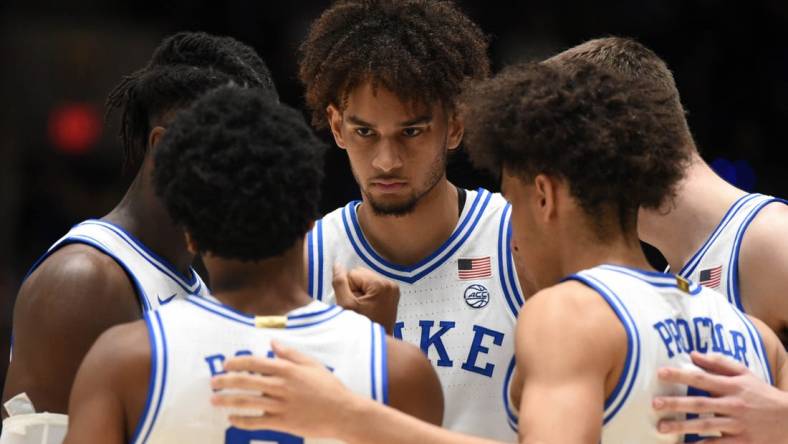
{"points": [[718, 385], [249, 381], [248, 402], [698, 404], [255, 364], [701, 426], [341, 284], [264, 422], [718, 364], [293, 355]]}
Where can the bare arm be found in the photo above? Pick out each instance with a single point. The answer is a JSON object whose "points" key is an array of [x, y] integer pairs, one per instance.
{"points": [[368, 293], [763, 269], [74, 296], [747, 409], [303, 398], [110, 387], [569, 344]]}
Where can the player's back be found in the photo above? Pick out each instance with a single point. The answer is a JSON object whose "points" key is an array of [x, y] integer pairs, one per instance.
{"points": [[191, 339], [665, 318]]}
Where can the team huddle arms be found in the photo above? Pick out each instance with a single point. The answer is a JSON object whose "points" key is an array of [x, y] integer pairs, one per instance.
{"points": [[422, 312]]}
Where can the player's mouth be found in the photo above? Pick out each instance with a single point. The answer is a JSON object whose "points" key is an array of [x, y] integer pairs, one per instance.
{"points": [[388, 186]]}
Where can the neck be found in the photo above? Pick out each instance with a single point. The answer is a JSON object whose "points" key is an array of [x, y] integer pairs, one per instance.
{"points": [[407, 239], [584, 250], [142, 214], [701, 201], [268, 287]]}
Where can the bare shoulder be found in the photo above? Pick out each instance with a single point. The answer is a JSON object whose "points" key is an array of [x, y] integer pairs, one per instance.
{"points": [[762, 260], [570, 304], [557, 322], [65, 304], [414, 387]]}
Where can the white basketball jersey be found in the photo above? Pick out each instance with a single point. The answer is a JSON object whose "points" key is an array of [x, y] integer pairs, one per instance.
{"points": [[665, 319], [459, 305], [191, 339], [155, 280], [716, 263]]}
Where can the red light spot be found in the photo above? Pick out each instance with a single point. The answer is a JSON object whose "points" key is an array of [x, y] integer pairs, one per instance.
{"points": [[74, 128]]}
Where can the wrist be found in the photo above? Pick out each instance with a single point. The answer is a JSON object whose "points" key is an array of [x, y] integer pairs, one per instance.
{"points": [[353, 424]]}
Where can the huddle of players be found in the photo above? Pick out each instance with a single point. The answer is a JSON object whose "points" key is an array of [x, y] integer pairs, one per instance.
{"points": [[240, 174]]}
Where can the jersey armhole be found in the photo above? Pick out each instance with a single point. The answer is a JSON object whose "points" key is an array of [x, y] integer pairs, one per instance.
{"points": [[626, 381], [157, 378]]}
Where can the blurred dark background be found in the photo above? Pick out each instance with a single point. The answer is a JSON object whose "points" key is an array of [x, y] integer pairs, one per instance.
{"points": [[60, 164]]}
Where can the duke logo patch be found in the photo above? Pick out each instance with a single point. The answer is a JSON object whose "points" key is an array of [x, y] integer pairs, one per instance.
{"points": [[477, 296]]}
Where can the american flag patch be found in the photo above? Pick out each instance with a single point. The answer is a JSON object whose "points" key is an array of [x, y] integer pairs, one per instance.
{"points": [[476, 268], [711, 277]]}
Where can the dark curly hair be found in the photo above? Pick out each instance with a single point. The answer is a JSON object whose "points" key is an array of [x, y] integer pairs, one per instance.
{"points": [[421, 50], [183, 67], [632, 60], [606, 136], [241, 173]]}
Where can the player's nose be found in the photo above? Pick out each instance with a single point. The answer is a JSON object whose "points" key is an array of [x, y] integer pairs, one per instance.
{"points": [[387, 156]]}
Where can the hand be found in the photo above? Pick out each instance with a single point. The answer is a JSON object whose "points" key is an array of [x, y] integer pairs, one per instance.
{"points": [[367, 293], [299, 395], [748, 410]]}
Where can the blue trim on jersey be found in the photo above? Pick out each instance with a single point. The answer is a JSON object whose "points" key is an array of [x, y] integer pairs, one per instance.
{"points": [[511, 417], [513, 307], [510, 261], [309, 315], [320, 260], [372, 360], [434, 260], [333, 315], [190, 285], [310, 265], [151, 382], [616, 400], [163, 375], [222, 310], [691, 264], [651, 277], [384, 371], [86, 240], [760, 349], [734, 294]]}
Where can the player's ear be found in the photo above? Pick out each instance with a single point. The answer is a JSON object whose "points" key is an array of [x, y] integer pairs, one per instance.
{"points": [[155, 136], [456, 131], [191, 245], [334, 116], [545, 196]]}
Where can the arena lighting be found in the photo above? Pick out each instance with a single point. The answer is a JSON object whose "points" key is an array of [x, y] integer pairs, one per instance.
{"points": [[74, 128]]}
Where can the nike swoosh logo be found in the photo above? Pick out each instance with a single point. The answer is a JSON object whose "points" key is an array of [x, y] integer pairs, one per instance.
{"points": [[165, 301]]}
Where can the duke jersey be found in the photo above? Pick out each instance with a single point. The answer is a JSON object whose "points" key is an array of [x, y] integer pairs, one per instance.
{"points": [[154, 279], [716, 263], [665, 318], [459, 305], [191, 339]]}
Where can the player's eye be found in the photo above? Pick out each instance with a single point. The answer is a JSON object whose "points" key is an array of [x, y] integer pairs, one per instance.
{"points": [[412, 132], [364, 132]]}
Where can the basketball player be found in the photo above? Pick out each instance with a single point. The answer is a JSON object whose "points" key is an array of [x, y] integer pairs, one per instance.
{"points": [[246, 200], [713, 233], [110, 270], [566, 141], [384, 77]]}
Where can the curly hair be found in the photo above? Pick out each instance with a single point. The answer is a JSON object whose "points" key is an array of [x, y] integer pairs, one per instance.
{"points": [[241, 173], [421, 50], [607, 137], [183, 67]]}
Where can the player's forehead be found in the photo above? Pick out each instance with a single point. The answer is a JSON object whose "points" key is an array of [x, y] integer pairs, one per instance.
{"points": [[378, 106]]}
